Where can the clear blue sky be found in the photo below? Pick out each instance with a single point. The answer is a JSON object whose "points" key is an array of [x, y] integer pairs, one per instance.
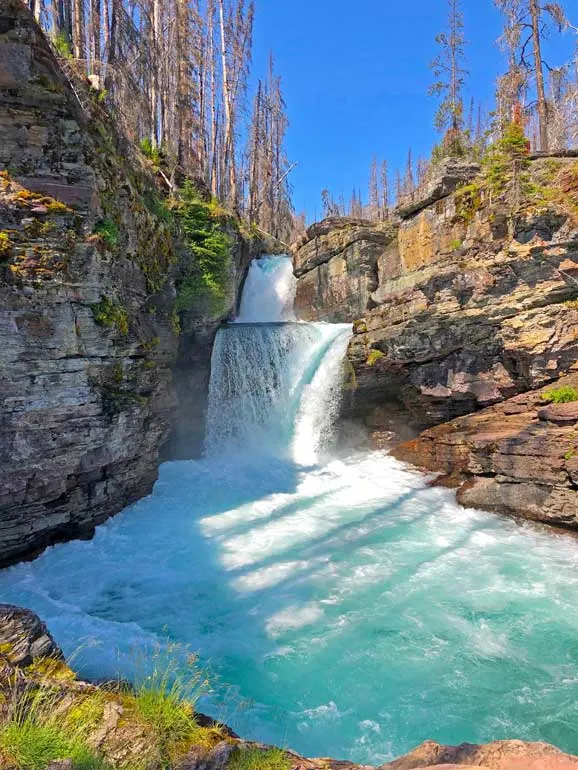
{"points": [[355, 78]]}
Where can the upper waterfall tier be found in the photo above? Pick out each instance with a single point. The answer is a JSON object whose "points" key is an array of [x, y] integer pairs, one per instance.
{"points": [[269, 291]]}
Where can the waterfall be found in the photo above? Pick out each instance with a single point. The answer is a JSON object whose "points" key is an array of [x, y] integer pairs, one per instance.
{"points": [[275, 383], [269, 291]]}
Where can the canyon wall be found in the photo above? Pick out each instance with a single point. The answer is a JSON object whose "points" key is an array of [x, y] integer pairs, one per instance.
{"points": [[95, 374], [459, 305]]}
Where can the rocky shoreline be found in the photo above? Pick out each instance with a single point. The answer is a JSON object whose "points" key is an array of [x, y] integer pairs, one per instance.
{"points": [[118, 733]]}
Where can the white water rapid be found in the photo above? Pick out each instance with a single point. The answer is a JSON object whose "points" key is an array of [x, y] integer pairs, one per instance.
{"points": [[341, 605]]}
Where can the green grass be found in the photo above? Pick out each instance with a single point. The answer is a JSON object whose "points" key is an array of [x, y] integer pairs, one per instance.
{"points": [[257, 759], [165, 701], [36, 735], [564, 395]]}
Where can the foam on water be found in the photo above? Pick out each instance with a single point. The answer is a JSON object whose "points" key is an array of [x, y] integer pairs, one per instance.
{"points": [[342, 606], [269, 291]]}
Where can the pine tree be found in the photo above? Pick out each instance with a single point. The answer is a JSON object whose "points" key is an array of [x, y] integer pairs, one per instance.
{"points": [[450, 73]]}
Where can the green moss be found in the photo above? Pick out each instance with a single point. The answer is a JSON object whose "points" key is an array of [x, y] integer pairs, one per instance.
{"points": [[107, 231], [570, 454], [564, 395], [258, 759], [176, 323], [86, 713], [56, 207], [108, 313], [5, 246], [207, 274], [374, 356], [50, 668], [468, 201]]}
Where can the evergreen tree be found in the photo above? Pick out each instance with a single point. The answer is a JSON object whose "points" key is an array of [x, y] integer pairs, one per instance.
{"points": [[450, 73]]}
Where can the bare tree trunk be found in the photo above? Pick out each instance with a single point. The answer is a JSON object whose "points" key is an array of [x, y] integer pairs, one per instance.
{"points": [[229, 165], [78, 29], [535, 12]]}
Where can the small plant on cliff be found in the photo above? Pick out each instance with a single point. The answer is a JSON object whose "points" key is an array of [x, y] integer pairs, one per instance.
{"points": [[62, 44], [35, 735], [108, 313], [374, 356], [107, 231], [207, 275], [165, 701], [563, 395], [468, 200], [152, 153], [5, 247], [258, 759]]}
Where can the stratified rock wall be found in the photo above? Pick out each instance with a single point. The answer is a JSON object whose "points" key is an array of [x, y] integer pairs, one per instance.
{"points": [[86, 334], [472, 304], [95, 377]]}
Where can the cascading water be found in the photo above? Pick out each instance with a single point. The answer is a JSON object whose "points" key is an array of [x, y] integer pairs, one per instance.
{"points": [[269, 291], [342, 606], [274, 383]]}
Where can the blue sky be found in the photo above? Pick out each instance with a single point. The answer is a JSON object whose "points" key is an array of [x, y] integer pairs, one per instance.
{"points": [[355, 78]]}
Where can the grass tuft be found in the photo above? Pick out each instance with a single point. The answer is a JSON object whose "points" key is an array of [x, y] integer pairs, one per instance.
{"points": [[36, 735], [258, 759]]}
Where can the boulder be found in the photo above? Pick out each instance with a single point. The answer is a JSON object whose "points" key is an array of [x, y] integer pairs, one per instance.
{"points": [[24, 637]]}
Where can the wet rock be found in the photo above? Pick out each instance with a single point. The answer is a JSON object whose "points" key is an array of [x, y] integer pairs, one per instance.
{"points": [[24, 637], [500, 755]]}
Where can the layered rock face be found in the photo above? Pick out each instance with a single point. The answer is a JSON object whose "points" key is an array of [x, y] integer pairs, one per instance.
{"points": [[89, 336], [519, 457], [471, 305]]}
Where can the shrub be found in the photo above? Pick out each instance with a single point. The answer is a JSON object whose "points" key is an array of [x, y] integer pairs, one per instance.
{"points": [[257, 759], [201, 226], [108, 313], [107, 231], [152, 153], [62, 45], [564, 395], [507, 159], [374, 356]]}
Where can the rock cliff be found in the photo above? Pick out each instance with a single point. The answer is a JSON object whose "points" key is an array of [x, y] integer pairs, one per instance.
{"points": [[462, 303], [89, 334]]}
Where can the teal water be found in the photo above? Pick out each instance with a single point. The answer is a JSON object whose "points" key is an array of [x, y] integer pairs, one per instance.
{"points": [[341, 605], [346, 610]]}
